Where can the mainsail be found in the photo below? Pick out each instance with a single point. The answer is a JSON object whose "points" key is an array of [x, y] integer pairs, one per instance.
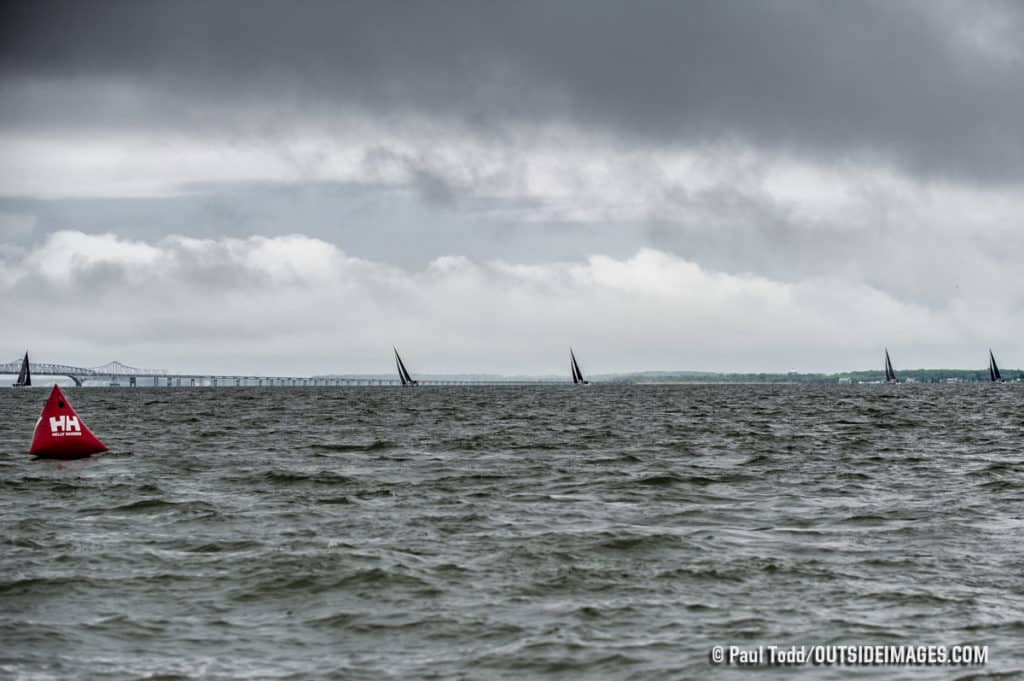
{"points": [[577, 375], [890, 375], [993, 368], [25, 376], [403, 373]]}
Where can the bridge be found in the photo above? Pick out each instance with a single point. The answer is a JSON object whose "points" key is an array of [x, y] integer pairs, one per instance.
{"points": [[117, 374]]}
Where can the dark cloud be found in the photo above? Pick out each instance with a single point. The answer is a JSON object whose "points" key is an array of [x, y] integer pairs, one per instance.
{"points": [[827, 79]]}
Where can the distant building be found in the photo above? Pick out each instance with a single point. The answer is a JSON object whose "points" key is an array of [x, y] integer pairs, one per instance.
{"points": [[844, 381]]}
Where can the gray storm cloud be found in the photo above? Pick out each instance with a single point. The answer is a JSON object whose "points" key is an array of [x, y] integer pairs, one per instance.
{"points": [[774, 185], [935, 87]]}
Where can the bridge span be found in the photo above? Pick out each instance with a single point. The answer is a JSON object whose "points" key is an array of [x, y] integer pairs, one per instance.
{"points": [[116, 374]]}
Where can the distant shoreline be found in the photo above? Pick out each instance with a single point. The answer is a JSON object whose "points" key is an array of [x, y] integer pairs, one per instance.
{"points": [[850, 377]]}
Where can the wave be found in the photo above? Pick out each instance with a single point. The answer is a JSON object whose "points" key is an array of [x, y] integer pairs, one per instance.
{"points": [[375, 446], [155, 505], [314, 477]]}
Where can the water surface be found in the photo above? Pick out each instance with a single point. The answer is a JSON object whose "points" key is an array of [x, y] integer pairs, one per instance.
{"points": [[544, 532]]}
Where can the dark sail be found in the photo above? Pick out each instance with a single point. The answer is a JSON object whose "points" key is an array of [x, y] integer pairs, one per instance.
{"points": [[577, 375], [25, 376], [890, 375], [403, 373], [993, 368], [398, 364]]}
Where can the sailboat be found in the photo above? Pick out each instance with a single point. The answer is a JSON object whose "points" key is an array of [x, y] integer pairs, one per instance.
{"points": [[993, 368], [577, 375], [890, 375], [25, 376], [403, 373]]}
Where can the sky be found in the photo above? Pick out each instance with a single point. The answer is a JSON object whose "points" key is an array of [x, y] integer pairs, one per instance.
{"points": [[293, 188]]}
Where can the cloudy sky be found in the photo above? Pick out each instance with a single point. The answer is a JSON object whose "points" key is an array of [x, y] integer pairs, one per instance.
{"points": [[728, 186]]}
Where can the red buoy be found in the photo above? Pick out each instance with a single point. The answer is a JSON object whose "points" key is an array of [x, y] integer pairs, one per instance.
{"points": [[60, 434]]}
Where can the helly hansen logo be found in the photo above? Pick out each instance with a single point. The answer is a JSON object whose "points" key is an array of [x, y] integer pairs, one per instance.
{"points": [[64, 425]]}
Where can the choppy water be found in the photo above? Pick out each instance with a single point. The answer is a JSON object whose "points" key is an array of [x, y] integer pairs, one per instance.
{"points": [[613, 532]]}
